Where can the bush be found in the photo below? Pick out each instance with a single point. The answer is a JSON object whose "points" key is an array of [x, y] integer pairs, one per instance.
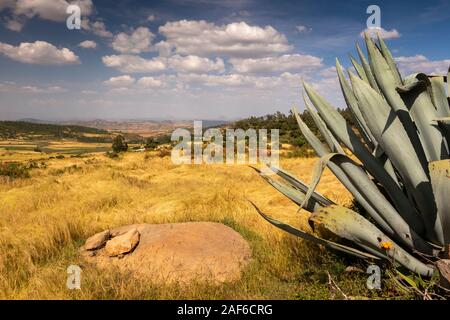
{"points": [[119, 144], [14, 170]]}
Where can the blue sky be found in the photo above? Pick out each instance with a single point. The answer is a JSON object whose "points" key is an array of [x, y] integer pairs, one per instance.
{"points": [[187, 59]]}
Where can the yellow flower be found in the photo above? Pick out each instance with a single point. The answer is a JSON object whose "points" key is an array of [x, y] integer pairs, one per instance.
{"points": [[386, 245]]}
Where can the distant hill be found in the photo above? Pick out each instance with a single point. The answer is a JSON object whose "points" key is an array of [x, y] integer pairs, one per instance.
{"points": [[32, 130]]}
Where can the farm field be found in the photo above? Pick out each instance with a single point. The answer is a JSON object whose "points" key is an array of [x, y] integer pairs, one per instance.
{"points": [[48, 216], [66, 147]]}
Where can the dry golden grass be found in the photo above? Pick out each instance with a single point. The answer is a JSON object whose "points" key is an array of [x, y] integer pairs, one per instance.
{"points": [[46, 218]]}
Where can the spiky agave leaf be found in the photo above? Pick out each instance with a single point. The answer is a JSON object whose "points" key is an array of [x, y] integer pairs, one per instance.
{"points": [[392, 137], [389, 59], [439, 97], [416, 96], [307, 236], [297, 196], [387, 82], [359, 69], [333, 144], [383, 212], [352, 226], [301, 186], [343, 131], [350, 99], [367, 69]]}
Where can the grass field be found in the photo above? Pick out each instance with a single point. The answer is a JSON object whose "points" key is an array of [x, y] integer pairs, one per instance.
{"points": [[47, 217], [65, 147]]}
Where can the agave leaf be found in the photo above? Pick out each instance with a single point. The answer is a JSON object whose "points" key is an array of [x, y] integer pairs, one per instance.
{"points": [[343, 131], [440, 179], [439, 97], [367, 69], [389, 59], [312, 238], [352, 226], [353, 105], [333, 144], [392, 137], [368, 195], [314, 142], [421, 108], [295, 195], [359, 69], [378, 207], [387, 83], [301, 186]]}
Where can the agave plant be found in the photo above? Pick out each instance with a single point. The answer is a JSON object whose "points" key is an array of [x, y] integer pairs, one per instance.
{"points": [[394, 161]]}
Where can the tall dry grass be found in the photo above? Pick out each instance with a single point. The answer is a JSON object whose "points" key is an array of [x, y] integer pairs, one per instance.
{"points": [[45, 219]]}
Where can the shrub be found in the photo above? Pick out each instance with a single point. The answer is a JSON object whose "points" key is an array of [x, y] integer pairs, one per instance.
{"points": [[119, 144], [14, 170]]}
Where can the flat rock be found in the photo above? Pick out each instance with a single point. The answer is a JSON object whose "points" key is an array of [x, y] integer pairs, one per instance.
{"points": [[179, 252], [123, 243], [97, 240]]}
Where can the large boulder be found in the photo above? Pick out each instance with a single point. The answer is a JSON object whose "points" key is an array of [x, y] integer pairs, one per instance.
{"points": [[177, 252]]}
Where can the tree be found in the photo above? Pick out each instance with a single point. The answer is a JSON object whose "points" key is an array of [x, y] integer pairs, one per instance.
{"points": [[119, 144]]}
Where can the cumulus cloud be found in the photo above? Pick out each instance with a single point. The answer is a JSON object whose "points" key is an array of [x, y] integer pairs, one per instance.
{"points": [[124, 81], [235, 39], [96, 27], [134, 64], [229, 80], [420, 63], [137, 41], [151, 18], [149, 82], [39, 52], [52, 10], [287, 62], [385, 34], [195, 64], [88, 44]]}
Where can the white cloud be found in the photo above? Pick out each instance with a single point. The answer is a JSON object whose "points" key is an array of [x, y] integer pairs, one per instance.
{"points": [[52, 10], [15, 23], [229, 80], [195, 64], [124, 81], [39, 52], [420, 63], [287, 62], [149, 82], [134, 64], [12, 87], [385, 34], [303, 29], [151, 18], [88, 44], [235, 39], [139, 40], [97, 27]]}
